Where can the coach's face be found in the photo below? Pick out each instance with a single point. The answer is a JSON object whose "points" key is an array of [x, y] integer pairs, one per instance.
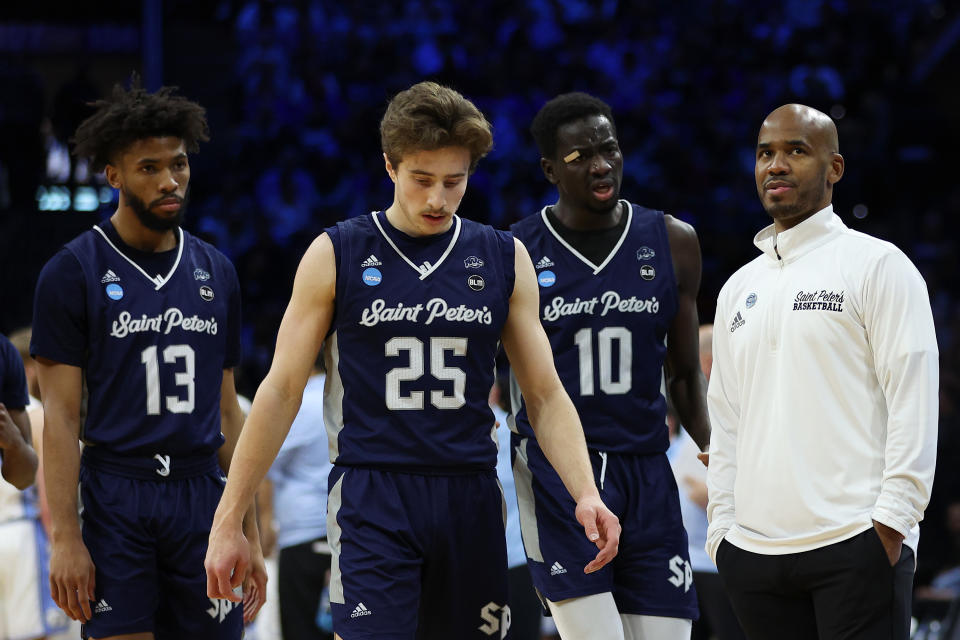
{"points": [[797, 165], [588, 167], [429, 186], [152, 175]]}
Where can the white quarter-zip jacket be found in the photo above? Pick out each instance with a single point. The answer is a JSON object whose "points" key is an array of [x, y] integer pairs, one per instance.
{"points": [[823, 395]]}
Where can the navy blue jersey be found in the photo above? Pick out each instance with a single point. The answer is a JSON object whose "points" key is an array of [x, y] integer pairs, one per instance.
{"points": [[153, 347], [607, 326], [13, 381], [410, 357]]}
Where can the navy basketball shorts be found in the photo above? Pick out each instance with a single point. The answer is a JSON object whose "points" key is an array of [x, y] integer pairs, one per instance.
{"points": [[417, 556], [147, 539], [651, 574]]}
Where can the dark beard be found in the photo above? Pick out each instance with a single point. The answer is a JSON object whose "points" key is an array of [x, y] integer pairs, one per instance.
{"points": [[151, 220]]}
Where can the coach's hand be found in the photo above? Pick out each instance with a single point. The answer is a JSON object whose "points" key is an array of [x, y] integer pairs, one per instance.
{"points": [[602, 528], [228, 560], [892, 541], [72, 577]]}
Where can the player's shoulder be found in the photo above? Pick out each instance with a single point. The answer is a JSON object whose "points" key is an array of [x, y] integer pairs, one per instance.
{"points": [[85, 242], [528, 224], [195, 247], [7, 350]]}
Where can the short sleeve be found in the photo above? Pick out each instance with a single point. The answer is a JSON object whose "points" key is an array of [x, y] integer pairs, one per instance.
{"points": [[13, 381], [233, 344], [509, 252], [59, 312]]}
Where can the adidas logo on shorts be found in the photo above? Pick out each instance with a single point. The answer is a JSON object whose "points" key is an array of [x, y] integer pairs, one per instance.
{"points": [[102, 606], [544, 263], [109, 276], [361, 610], [371, 262], [557, 569]]}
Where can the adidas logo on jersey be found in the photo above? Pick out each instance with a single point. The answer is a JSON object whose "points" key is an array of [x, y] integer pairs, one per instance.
{"points": [[102, 607], [361, 610], [544, 263], [109, 276], [557, 569], [371, 262], [738, 322]]}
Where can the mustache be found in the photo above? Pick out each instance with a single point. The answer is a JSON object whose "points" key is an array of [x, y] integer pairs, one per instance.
{"points": [[164, 198]]}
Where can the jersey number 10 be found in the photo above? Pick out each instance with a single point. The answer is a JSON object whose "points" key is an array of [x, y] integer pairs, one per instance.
{"points": [[606, 338]]}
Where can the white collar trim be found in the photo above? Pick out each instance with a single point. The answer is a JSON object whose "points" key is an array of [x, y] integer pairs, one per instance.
{"points": [[596, 268], [157, 281], [426, 268]]}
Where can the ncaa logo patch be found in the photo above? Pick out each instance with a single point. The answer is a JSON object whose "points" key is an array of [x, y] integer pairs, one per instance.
{"points": [[476, 283], [372, 277], [547, 278], [114, 291], [206, 293], [645, 253], [647, 272], [751, 300]]}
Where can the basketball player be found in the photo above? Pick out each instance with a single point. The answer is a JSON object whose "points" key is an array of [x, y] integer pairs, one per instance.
{"points": [[28, 610], [618, 286], [149, 316], [23, 600], [824, 394], [413, 302]]}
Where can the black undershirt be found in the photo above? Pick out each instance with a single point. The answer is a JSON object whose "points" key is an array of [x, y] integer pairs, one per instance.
{"points": [[594, 244]]}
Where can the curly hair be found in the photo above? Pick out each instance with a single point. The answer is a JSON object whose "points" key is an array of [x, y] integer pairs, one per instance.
{"points": [[128, 116], [559, 111], [428, 116]]}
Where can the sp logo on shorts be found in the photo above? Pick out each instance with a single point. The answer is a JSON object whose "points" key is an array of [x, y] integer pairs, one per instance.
{"points": [[682, 573], [221, 608], [496, 618]]}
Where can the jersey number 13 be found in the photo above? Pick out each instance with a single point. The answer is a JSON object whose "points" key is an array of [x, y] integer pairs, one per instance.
{"points": [[182, 378]]}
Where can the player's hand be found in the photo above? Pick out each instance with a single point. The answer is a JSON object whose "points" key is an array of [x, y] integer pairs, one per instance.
{"points": [[704, 457], [9, 432], [255, 585], [892, 541], [602, 528], [72, 577], [228, 560]]}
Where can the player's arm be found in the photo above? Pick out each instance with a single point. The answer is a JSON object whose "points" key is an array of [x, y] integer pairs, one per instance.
{"points": [[19, 466], [900, 330], [685, 380], [71, 569], [723, 399], [231, 421], [304, 325], [36, 426], [552, 414]]}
